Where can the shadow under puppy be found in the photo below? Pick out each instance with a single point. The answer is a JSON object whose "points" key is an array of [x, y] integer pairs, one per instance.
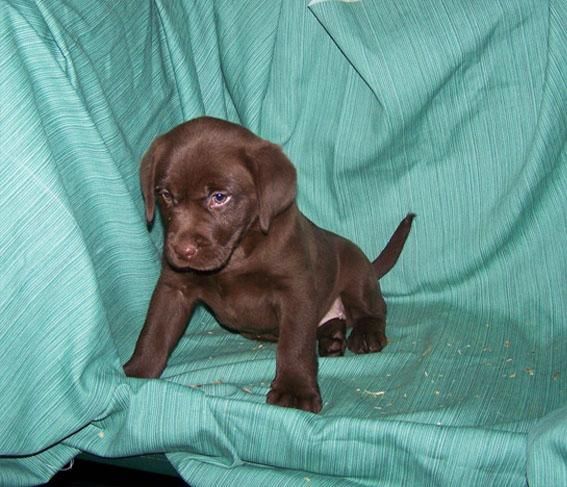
{"points": [[236, 241]]}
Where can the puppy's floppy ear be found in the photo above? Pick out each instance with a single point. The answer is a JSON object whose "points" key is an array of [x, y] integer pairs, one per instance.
{"points": [[275, 180], [147, 178]]}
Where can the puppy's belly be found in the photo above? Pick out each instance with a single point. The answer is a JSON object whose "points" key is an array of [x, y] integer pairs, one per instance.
{"points": [[336, 311], [251, 325], [254, 316], [256, 324]]}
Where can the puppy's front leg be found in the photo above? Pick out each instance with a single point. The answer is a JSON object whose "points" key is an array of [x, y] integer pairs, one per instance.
{"points": [[295, 384], [169, 311]]}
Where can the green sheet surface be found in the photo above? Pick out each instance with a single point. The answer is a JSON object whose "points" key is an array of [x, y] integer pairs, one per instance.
{"points": [[455, 110]]}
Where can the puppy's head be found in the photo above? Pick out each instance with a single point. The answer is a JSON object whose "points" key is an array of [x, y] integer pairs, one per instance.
{"points": [[213, 180]]}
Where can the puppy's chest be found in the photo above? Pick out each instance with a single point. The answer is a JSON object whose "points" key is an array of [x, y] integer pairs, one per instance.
{"points": [[244, 303]]}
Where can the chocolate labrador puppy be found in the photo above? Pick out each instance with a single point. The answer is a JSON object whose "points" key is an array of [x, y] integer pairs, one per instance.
{"points": [[236, 241]]}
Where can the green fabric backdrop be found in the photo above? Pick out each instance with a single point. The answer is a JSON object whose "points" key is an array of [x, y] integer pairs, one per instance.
{"points": [[455, 110]]}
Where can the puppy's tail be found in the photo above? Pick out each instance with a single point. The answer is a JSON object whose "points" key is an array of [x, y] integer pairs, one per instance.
{"points": [[389, 256]]}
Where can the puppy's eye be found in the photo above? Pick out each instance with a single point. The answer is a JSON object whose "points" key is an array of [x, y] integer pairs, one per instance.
{"points": [[218, 198], [167, 197]]}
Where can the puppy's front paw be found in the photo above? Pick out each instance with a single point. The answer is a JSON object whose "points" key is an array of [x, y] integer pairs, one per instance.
{"points": [[367, 336], [288, 397], [141, 369]]}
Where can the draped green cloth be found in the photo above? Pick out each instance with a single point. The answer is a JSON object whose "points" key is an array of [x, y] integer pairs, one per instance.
{"points": [[454, 110]]}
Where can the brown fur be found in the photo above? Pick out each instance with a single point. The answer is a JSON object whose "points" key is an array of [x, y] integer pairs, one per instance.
{"points": [[236, 241]]}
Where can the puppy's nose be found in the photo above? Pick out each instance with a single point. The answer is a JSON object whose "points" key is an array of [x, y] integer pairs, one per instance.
{"points": [[187, 251]]}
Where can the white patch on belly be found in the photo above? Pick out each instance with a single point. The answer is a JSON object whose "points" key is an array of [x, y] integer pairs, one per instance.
{"points": [[337, 310]]}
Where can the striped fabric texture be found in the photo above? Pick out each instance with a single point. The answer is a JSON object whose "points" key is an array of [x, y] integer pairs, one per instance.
{"points": [[455, 110]]}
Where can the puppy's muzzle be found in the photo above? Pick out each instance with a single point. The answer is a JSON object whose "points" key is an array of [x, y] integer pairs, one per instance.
{"points": [[184, 252]]}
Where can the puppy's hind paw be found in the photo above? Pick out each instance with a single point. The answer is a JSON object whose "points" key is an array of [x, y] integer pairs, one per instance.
{"points": [[367, 336]]}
